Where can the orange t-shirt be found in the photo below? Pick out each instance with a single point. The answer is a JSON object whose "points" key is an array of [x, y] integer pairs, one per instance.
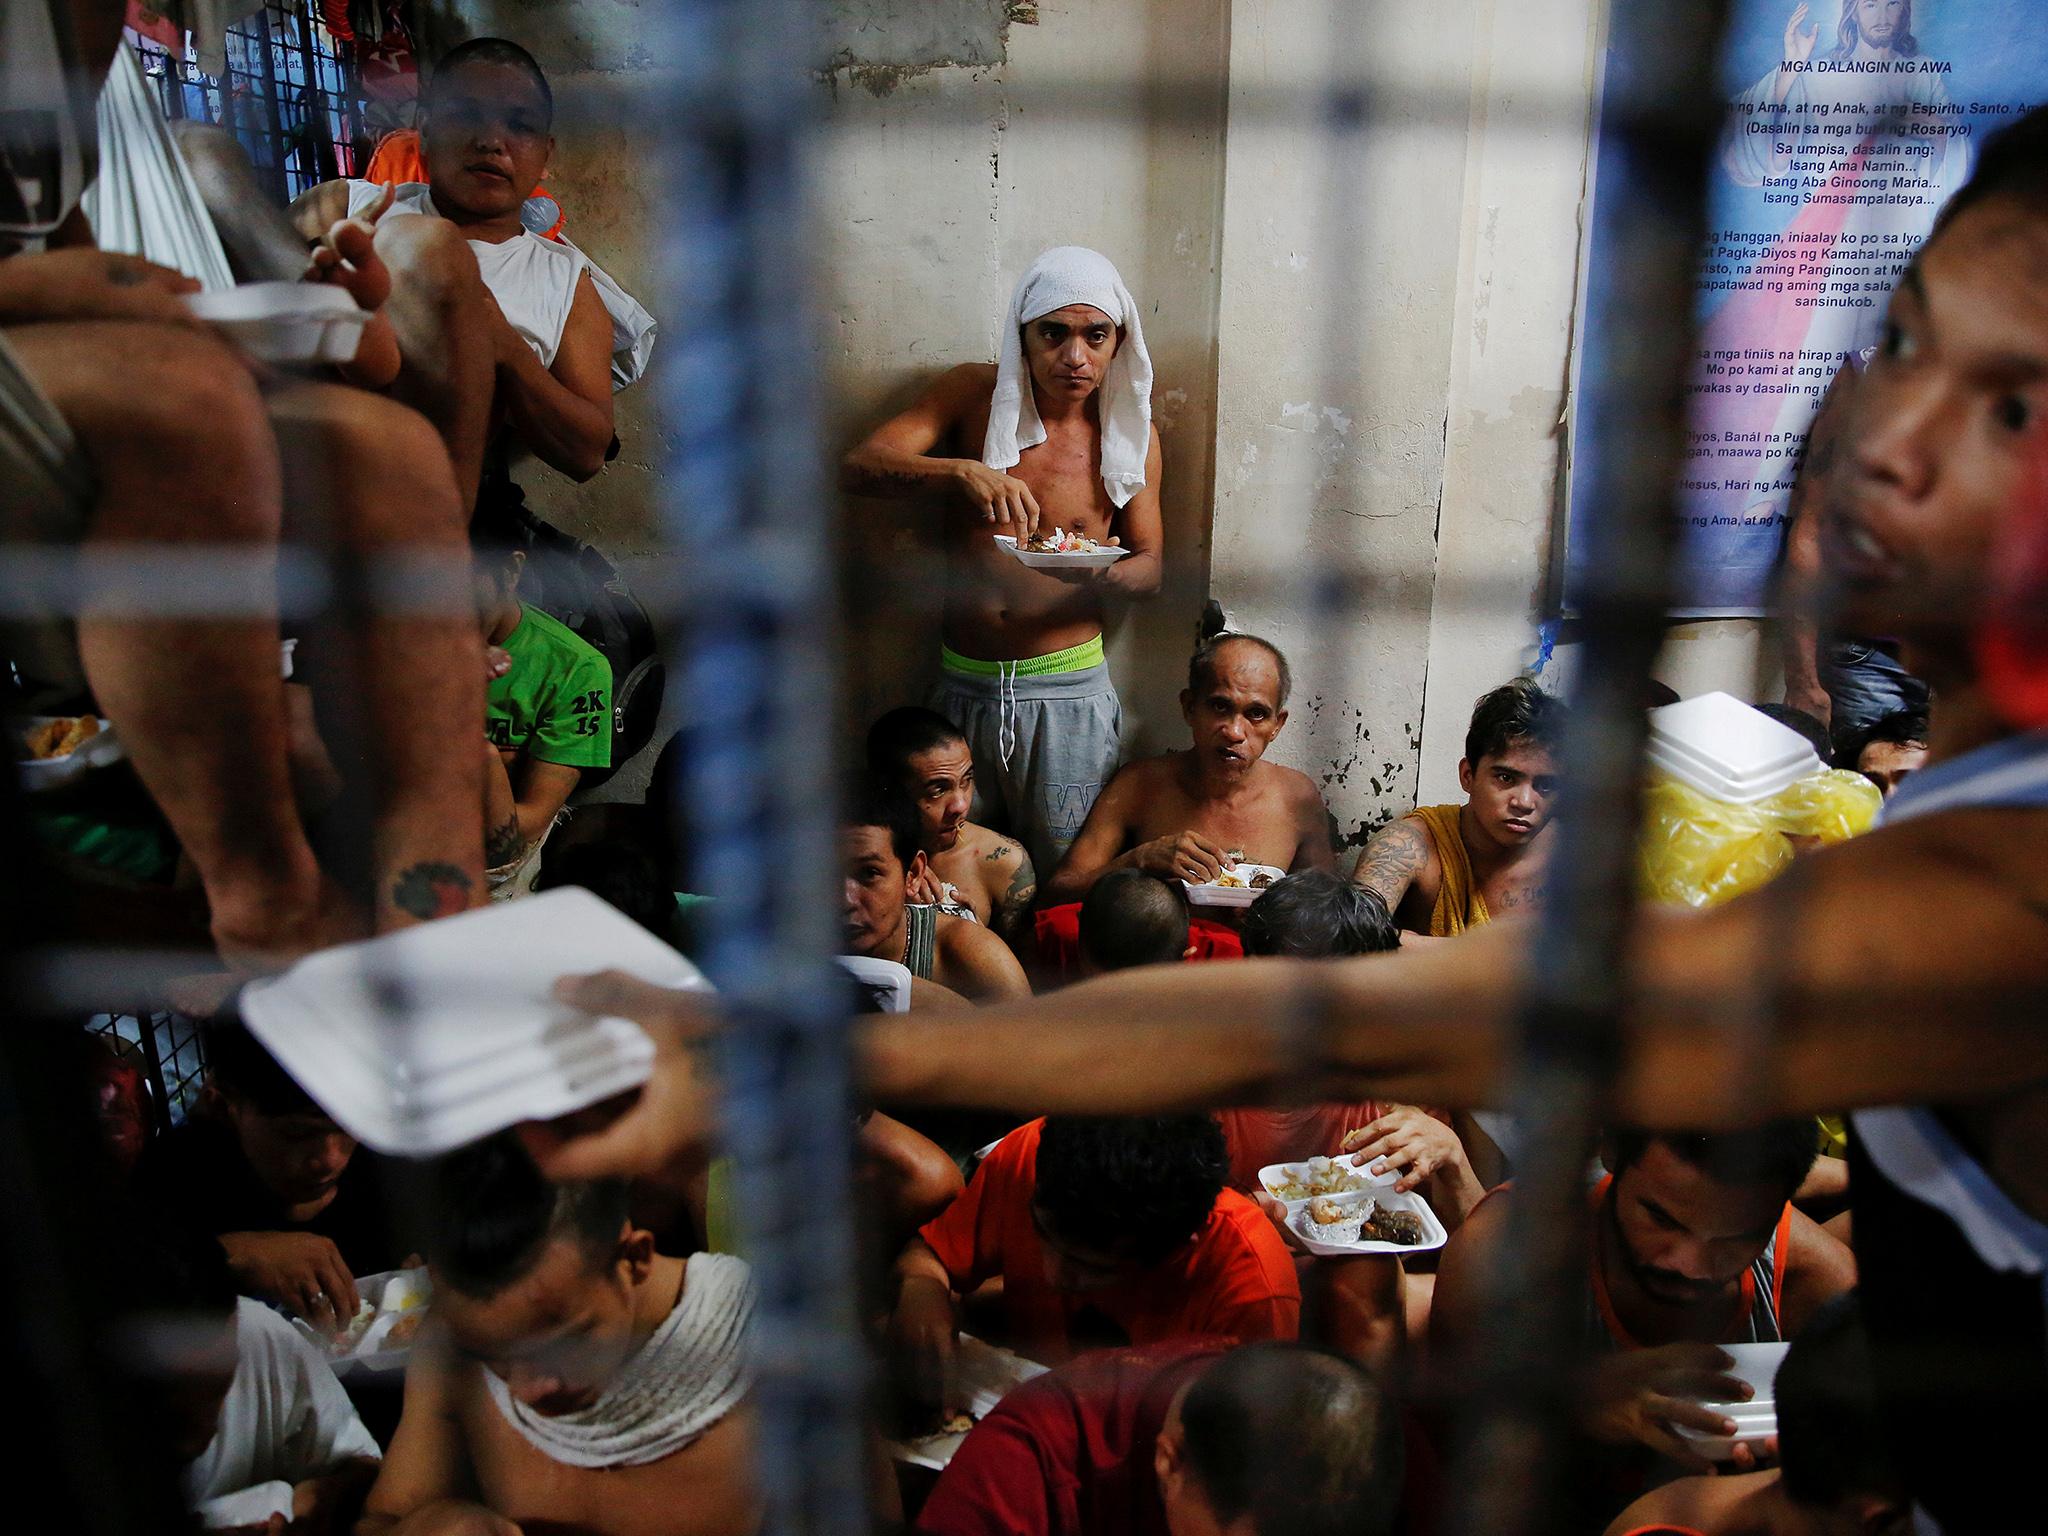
{"points": [[1258, 1138], [1235, 1280]]}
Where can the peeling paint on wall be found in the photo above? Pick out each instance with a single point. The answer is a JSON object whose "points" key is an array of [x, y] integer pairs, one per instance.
{"points": [[879, 44]]}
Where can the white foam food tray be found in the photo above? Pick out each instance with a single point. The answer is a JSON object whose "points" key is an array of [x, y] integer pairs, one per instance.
{"points": [[1755, 1418], [887, 981], [1210, 894], [1387, 1199], [286, 322], [1277, 1178], [1041, 560], [426, 1039], [986, 1374], [388, 1300], [40, 773], [1722, 747]]}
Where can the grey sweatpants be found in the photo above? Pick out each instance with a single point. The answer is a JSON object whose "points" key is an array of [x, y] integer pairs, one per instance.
{"points": [[1063, 731]]}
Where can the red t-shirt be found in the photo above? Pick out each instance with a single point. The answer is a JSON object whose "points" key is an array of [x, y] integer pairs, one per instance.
{"points": [[1236, 1279], [1070, 1453], [1258, 1138], [1058, 932]]}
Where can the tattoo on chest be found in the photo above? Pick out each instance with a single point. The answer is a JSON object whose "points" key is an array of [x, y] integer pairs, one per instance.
{"points": [[1522, 895]]}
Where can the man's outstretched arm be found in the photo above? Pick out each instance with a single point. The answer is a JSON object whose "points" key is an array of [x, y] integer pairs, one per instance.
{"points": [[1852, 1011], [1856, 1017]]}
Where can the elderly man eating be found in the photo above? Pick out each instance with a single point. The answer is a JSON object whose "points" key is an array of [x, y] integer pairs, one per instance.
{"points": [[1190, 815]]}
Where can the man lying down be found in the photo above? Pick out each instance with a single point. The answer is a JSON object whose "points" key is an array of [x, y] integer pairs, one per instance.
{"points": [[571, 1378]]}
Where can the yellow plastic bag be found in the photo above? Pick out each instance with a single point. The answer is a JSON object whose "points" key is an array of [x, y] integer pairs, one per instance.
{"points": [[1700, 851]]}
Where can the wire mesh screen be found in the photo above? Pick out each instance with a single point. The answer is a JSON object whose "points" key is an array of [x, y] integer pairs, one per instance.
{"points": [[288, 95], [172, 1053]]}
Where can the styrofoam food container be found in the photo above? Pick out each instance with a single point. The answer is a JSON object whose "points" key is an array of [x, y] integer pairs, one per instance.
{"points": [[1039, 560], [1433, 1233], [286, 322], [1723, 748], [984, 1375], [39, 773], [392, 1295], [426, 1039], [1275, 1176], [1756, 1418], [888, 981], [1210, 894]]}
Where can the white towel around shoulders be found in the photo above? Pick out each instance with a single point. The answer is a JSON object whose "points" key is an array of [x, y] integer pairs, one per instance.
{"points": [[1073, 274]]}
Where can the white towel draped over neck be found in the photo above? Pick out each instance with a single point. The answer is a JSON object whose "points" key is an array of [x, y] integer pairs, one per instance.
{"points": [[691, 1372], [1073, 274]]}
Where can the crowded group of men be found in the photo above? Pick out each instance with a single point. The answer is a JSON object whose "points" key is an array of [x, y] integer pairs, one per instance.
{"points": [[1069, 1106]]}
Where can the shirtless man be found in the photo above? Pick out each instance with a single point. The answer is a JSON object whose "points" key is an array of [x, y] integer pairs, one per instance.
{"points": [[883, 864], [1057, 434], [1444, 868], [969, 869], [497, 327], [128, 429], [549, 1302], [1189, 815]]}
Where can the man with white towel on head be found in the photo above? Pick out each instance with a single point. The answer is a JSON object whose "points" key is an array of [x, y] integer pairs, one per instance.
{"points": [[1056, 434]]}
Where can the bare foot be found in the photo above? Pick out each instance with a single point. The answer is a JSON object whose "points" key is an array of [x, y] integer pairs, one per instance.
{"points": [[268, 933]]}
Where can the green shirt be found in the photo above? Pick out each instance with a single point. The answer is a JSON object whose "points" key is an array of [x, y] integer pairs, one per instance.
{"points": [[555, 704]]}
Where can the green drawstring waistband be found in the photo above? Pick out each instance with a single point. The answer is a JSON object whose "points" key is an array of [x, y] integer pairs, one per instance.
{"points": [[1075, 658]]}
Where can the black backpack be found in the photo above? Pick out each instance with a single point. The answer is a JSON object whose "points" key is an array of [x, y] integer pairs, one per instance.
{"points": [[572, 581]]}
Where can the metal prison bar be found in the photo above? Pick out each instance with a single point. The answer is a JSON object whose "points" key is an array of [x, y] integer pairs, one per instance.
{"points": [[746, 509], [1661, 114]]}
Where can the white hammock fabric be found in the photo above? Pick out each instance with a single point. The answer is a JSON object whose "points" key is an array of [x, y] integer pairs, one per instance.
{"points": [[144, 201]]}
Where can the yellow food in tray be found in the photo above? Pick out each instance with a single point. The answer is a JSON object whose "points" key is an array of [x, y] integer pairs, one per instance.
{"points": [[59, 737]]}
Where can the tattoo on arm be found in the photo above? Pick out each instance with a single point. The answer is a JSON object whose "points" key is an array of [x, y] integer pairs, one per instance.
{"points": [[502, 844], [431, 890], [1013, 913], [1395, 856]]}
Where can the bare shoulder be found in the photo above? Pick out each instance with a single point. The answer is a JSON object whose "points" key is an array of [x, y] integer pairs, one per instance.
{"points": [[965, 386], [992, 848], [1144, 774], [1698, 1503], [1299, 789], [1818, 1268], [1131, 784], [977, 962]]}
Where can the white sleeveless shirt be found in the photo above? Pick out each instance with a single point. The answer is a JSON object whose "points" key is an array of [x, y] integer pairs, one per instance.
{"points": [[533, 280]]}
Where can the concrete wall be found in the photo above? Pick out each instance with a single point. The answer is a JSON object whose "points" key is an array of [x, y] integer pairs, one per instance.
{"points": [[1361, 328], [1396, 321], [1340, 262], [938, 183]]}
